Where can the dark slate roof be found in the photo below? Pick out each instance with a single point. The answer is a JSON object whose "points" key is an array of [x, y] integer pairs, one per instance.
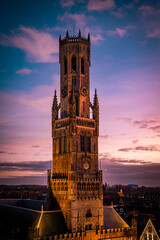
{"points": [[21, 219], [25, 203], [112, 219], [12, 218], [52, 223]]}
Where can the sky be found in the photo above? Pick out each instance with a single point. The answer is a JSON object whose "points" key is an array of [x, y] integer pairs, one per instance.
{"points": [[125, 69]]}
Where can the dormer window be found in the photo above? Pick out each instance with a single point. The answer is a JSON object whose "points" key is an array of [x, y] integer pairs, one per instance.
{"points": [[73, 65], [82, 65]]}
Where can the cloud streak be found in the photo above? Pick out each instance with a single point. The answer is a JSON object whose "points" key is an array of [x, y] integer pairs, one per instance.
{"points": [[30, 166], [24, 71], [146, 175], [151, 148], [99, 5], [118, 31], [39, 46], [67, 3]]}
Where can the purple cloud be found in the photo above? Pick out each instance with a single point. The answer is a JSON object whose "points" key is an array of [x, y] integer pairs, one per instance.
{"points": [[144, 174], [67, 3], [99, 5], [146, 10], [35, 146], [118, 31], [24, 71], [150, 148], [39, 46], [25, 166]]}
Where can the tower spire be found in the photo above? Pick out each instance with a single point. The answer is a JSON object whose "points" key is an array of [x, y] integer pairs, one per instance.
{"points": [[55, 107], [55, 102], [95, 101], [67, 34]]}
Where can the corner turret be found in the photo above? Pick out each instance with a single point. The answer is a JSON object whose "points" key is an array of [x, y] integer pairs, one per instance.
{"points": [[55, 107]]}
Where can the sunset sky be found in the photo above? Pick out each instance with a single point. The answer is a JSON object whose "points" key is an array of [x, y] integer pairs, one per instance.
{"points": [[125, 69]]}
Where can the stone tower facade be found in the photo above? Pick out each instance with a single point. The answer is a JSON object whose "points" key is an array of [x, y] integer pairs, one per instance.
{"points": [[76, 181]]}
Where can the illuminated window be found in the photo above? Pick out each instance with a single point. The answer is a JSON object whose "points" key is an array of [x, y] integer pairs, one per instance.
{"points": [[154, 237], [82, 65], [73, 65], [149, 229], [88, 214]]}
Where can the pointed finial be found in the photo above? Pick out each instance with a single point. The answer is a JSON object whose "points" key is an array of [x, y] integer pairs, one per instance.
{"points": [[59, 37], [88, 37], [79, 35], [67, 34], [95, 101], [55, 102]]}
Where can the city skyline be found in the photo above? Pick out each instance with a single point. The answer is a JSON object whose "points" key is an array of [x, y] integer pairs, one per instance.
{"points": [[124, 69]]}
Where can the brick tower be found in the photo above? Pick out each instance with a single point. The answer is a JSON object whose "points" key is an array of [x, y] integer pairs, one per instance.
{"points": [[76, 181]]}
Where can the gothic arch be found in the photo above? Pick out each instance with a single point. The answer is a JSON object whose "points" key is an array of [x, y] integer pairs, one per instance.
{"points": [[65, 64], [73, 64], [82, 65]]}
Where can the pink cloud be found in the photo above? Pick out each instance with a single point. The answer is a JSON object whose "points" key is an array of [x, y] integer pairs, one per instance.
{"points": [[80, 19], [154, 34], [117, 31], [155, 128], [100, 5], [118, 13], [130, 26], [97, 37], [146, 10], [24, 71], [67, 3], [39, 46], [150, 148]]}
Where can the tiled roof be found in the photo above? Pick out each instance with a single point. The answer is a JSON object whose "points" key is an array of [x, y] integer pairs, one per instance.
{"points": [[112, 219]]}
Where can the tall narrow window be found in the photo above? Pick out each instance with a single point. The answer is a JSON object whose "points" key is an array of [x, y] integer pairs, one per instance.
{"points": [[65, 65], [89, 144], [60, 147], [82, 144], [73, 65], [82, 65], [64, 149], [83, 107], [74, 82]]}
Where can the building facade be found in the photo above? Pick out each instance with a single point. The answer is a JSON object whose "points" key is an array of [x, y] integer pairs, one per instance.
{"points": [[149, 232], [76, 181]]}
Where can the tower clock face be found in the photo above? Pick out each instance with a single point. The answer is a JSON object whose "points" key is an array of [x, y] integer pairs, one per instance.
{"points": [[64, 92], [86, 165], [84, 91]]}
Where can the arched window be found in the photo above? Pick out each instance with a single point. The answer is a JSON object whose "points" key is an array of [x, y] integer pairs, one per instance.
{"points": [[82, 65], [73, 65], [65, 65]]}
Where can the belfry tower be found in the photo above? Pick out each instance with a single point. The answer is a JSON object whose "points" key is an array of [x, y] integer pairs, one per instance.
{"points": [[76, 181]]}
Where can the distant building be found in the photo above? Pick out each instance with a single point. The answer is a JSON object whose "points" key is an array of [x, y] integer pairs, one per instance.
{"points": [[149, 232]]}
